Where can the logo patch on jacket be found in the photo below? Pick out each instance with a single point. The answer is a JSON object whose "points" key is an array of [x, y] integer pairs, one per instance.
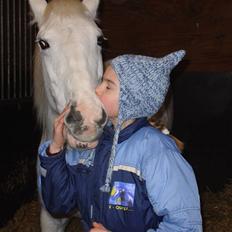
{"points": [[122, 194]]}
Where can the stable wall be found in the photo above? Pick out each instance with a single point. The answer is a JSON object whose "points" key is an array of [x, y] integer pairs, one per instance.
{"points": [[151, 27]]}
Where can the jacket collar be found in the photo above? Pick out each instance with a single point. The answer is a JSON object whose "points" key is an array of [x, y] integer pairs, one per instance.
{"points": [[125, 133]]}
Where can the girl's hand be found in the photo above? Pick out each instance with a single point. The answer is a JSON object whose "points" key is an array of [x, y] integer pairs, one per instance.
{"points": [[58, 133], [98, 227]]}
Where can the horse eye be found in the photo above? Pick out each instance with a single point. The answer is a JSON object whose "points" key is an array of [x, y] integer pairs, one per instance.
{"points": [[43, 44], [100, 40]]}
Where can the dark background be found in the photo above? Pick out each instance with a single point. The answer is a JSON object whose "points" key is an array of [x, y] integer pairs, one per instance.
{"points": [[202, 84]]}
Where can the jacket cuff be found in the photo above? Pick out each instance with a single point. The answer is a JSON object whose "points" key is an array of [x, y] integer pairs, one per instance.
{"points": [[43, 147], [52, 154]]}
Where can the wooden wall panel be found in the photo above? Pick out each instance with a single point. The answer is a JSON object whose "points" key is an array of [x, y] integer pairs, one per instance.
{"points": [[155, 27]]}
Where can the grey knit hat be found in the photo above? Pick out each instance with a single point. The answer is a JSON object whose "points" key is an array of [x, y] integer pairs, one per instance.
{"points": [[144, 82]]}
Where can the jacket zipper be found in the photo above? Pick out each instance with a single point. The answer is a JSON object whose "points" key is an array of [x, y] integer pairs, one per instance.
{"points": [[91, 213]]}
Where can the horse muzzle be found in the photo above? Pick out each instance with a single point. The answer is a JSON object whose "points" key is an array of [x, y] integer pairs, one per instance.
{"points": [[79, 128]]}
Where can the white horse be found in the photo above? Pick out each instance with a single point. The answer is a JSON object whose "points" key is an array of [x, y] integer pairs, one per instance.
{"points": [[67, 68]]}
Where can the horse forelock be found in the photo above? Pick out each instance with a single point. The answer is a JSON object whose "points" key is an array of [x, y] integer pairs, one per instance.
{"points": [[71, 14]]}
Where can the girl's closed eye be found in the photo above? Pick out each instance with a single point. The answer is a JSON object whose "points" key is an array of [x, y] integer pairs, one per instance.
{"points": [[109, 85]]}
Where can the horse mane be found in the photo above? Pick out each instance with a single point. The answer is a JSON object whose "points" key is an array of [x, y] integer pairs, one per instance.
{"points": [[39, 95]]}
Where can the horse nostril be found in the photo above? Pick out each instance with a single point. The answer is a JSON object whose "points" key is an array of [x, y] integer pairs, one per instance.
{"points": [[74, 116], [103, 119]]}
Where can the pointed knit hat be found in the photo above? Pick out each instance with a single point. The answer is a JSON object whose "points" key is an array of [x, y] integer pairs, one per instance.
{"points": [[144, 82]]}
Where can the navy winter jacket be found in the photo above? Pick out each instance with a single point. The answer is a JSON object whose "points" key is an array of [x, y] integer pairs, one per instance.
{"points": [[152, 189]]}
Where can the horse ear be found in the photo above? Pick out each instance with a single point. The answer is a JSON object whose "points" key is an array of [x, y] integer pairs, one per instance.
{"points": [[92, 6], [38, 8]]}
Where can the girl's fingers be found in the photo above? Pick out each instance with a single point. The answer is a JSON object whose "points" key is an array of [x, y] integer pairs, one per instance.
{"points": [[60, 118], [98, 227], [64, 112]]}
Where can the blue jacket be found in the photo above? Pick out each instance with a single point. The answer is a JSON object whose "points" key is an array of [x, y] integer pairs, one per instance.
{"points": [[153, 188]]}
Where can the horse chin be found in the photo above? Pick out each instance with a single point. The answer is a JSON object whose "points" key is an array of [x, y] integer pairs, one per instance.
{"points": [[85, 137]]}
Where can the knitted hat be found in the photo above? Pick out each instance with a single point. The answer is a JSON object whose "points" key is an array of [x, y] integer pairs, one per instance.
{"points": [[144, 82]]}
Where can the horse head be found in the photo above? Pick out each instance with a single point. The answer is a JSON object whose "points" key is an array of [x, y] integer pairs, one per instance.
{"points": [[69, 53]]}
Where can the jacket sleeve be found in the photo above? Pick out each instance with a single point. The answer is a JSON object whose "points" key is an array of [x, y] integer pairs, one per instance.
{"points": [[58, 182], [171, 187]]}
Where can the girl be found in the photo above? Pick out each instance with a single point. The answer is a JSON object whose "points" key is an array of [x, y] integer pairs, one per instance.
{"points": [[134, 178]]}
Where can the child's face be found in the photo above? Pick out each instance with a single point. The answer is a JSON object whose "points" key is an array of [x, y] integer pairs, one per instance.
{"points": [[108, 93]]}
